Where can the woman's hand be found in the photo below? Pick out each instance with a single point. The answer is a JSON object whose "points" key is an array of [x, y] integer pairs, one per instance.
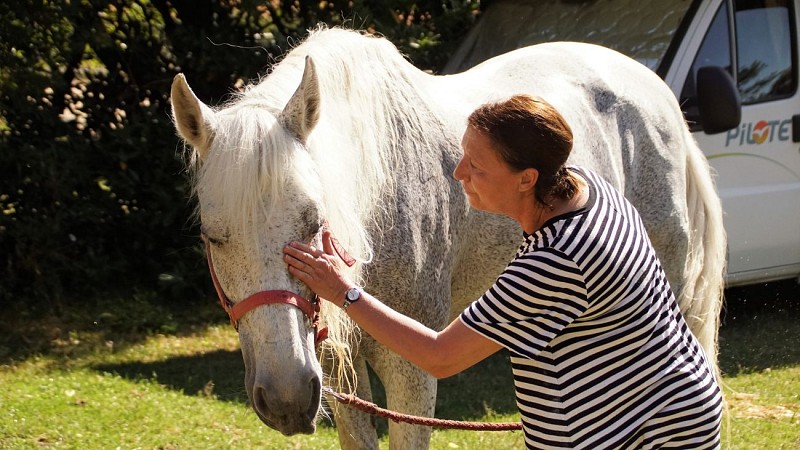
{"points": [[320, 270], [440, 353]]}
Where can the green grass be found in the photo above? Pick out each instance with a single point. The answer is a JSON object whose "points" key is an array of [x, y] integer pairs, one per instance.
{"points": [[124, 377], [760, 360], [94, 406]]}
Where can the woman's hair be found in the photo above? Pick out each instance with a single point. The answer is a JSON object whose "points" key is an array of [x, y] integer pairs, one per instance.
{"points": [[529, 133]]}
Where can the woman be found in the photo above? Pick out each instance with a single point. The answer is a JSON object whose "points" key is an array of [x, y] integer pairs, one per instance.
{"points": [[601, 356]]}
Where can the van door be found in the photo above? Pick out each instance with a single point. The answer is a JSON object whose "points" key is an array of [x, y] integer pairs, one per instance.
{"points": [[758, 162]]}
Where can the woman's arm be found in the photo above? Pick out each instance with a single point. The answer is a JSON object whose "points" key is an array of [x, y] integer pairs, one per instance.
{"points": [[441, 354]]}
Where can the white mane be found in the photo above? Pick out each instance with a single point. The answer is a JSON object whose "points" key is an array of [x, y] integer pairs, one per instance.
{"points": [[371, 116]]}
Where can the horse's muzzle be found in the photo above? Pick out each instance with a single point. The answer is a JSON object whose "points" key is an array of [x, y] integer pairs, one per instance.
{"points": [[291, 414]]}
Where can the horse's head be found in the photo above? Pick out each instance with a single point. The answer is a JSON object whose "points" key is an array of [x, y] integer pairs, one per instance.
{"points": [[258, 189]]}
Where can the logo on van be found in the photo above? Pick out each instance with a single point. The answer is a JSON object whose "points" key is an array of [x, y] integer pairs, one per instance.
{"points": [[751, 133]]}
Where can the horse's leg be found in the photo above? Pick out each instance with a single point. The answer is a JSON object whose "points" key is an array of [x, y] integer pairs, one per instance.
{"points": [[409, 390], [356, 429]]}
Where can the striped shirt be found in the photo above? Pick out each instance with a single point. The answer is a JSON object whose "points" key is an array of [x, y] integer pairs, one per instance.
{"points": [[601, 355]]}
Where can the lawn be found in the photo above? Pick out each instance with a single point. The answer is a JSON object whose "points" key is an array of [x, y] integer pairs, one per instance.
{"points": [[133, 375]]}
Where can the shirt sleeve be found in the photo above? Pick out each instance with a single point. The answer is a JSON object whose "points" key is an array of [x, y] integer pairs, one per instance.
{"points": [[531, 302]]}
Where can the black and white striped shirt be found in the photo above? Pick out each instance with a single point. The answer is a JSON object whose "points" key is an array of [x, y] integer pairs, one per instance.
{"points": [[601, 355]]}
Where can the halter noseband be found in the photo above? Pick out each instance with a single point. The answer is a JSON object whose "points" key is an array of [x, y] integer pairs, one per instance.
{"points": [[311, 308]]}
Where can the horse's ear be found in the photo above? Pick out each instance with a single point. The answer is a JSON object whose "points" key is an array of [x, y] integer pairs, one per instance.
{"points": [[302, 111], [193, 118]]}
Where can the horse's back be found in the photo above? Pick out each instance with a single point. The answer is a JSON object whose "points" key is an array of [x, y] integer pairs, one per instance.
{"points": [[626, 123], [604, 95]]}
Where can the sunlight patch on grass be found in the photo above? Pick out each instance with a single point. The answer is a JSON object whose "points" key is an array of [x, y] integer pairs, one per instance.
{"points": [[746, 406], [87, 409], [763, 409], [159, 347]]}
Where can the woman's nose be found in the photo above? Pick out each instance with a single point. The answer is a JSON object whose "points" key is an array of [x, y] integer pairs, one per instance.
{"points": [[458, 172]]}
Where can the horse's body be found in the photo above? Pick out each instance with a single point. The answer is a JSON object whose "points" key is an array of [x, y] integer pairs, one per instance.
{"points": [[368, 144]]}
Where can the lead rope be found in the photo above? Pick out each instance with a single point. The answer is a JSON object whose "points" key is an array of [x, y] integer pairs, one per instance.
{"points": [[375, 410]]}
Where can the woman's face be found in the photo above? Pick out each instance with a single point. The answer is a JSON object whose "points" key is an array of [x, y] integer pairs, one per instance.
{"points": [[490, 183]]}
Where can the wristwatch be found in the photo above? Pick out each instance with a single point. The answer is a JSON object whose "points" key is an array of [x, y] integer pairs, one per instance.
{"points": [[351, 296]]}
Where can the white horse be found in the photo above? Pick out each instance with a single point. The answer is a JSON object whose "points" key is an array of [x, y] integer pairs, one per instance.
{"points": [[346, 133]]}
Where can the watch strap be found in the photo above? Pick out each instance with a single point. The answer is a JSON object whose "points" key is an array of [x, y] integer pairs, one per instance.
{"points": [[347, 301]]}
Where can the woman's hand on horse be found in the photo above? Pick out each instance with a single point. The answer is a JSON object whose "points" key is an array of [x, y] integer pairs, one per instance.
{"points": [[319, 269]]}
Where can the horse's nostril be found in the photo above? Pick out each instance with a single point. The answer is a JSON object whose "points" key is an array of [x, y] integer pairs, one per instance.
{"points": [[315, 387], [260, 402]]}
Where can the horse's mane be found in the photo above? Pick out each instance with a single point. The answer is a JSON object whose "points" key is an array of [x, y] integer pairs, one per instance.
{"points": [[371, 116]]}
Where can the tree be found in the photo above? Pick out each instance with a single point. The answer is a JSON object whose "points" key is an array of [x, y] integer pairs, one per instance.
{"points": [[91, 201]]}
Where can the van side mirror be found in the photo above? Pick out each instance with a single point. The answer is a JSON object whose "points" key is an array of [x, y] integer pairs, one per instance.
{"points": [[718, 102]]}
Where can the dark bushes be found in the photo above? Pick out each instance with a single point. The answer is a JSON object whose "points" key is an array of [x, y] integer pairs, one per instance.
{"points": [[92, 197]]}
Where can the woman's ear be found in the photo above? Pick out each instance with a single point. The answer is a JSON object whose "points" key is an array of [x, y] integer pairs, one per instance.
{"points": [[528, 178]]}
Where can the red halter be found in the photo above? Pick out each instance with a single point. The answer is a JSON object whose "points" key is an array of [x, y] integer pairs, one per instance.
{"points": [[310, 308]]}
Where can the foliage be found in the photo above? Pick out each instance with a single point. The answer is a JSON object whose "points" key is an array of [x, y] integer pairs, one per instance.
{"points": [[91, 194]]}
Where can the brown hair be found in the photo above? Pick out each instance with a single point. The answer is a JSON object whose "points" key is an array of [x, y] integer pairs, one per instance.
{"points": [[529, 133]]}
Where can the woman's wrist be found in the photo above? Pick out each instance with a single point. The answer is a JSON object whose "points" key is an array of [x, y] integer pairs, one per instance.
{"points": [[351, 296], [340, 297]]}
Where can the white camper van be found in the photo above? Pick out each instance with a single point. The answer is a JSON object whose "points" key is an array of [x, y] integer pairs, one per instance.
{"points": [[733, 65]]}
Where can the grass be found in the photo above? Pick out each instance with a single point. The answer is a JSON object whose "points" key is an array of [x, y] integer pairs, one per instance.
{"points": [[760, 359], [142, 375]]}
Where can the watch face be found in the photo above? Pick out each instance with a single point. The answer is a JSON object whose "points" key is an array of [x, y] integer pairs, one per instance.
{"points": [[353, 294]]}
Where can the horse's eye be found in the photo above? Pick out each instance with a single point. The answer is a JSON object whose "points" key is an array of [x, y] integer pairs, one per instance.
{"points": [[216, 242], [213, 241], [311, 222]]}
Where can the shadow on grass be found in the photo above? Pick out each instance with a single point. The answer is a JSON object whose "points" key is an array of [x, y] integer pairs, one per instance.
{"points": [[217, 374], [78, 330], [486, 387], [760, 328]]}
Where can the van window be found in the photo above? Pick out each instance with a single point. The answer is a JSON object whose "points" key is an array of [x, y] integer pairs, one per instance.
{"points": [[641, 31], [765, 48], [765, 70], [714, 51]]}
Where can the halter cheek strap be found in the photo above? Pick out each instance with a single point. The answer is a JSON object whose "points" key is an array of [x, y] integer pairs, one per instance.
{"points": [[311, 309], [342, 252], [236, 311]]}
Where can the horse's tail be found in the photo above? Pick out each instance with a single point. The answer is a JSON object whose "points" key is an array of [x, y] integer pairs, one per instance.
{"points": [[701, 298]]}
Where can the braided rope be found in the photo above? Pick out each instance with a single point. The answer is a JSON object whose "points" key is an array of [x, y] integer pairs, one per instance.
{"points": [[375, 410]]}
